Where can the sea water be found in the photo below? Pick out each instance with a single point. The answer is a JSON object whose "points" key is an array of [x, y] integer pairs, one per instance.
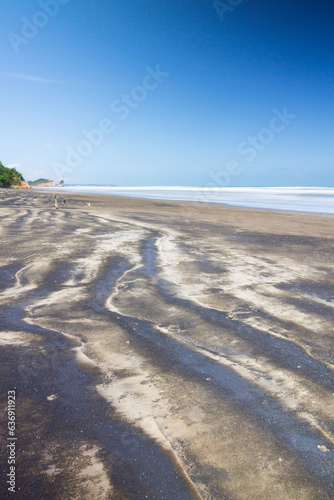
{"points": [[304, 199]]}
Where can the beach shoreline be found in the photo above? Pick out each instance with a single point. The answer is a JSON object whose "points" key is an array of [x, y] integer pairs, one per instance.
{"points": [[104, 200], [172, 349], [295, 199]]}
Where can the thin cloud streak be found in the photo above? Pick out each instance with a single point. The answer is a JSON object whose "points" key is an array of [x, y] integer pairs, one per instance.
{"points": [[32, 78]]}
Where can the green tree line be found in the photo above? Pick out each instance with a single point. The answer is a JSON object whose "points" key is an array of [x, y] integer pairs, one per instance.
{"points": [[9, 176]]}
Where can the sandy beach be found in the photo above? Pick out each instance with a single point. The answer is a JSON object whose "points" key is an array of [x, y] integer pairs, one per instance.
{"points": [[166, 350]]}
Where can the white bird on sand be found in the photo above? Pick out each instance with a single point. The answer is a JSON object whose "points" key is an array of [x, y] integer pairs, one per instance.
{"points": [[88, 203]]}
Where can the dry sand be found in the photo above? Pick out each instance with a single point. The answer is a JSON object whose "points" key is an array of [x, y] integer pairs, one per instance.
{"points": [[166, 350]]}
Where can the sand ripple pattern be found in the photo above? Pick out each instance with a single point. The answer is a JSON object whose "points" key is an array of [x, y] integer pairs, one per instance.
{"points": [[208, 336]]}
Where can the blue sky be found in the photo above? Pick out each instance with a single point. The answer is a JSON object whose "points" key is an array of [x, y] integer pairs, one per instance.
{"points": [[181, 92]]}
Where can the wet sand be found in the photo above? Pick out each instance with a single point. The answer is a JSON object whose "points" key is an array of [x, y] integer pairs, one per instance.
{"points": [[166, 350]]}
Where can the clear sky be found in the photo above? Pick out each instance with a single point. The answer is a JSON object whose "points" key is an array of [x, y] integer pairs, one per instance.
{"points": [[179, 92]]}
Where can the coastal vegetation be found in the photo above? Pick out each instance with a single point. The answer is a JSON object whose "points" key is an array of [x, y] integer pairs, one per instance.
{"points": [[9, 176], [38, 181]]}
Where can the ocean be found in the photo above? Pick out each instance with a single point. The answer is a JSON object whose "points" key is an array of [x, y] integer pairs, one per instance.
{"points": [[301, 199]]}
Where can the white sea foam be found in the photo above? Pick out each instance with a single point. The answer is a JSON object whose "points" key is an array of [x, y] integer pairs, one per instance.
{"points": [[304, 199]]}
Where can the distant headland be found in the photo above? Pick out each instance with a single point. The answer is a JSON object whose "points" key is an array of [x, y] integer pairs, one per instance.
{"points": [[45, 183], [42, 183], [11, 178]]}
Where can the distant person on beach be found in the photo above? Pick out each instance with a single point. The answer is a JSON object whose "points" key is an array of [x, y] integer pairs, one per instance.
{"points": [[64, 203], [56, 203]]}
